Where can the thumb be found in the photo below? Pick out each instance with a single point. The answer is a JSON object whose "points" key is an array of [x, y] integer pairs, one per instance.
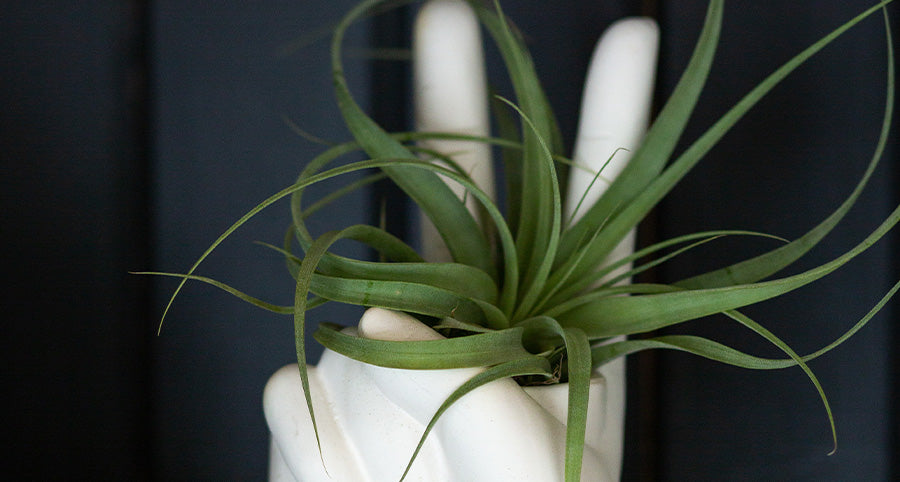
{"points": [[419, 392]]}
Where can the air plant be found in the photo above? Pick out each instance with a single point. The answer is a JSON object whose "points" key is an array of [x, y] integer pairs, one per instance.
{"points": [[525, 294]]}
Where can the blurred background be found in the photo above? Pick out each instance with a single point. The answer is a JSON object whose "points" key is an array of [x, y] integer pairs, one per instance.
{"points": [[134, 132]]}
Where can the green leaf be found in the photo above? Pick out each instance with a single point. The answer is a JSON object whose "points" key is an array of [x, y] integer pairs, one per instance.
{"points": [[691, 344], [413, 295], [597, 176], [455, 224], [637, 314], [606, 292], [620, 224], [762, 266], [704, 237], [756, 327], [508, 246], [535, 224], [400, 296], [656, 262], [543, 260], [454, 324], [659, 142], [282, 310], [339, 193], [301, 291], [578, 365], [724, 354], [483, 349], [512, 160], [532, 365], [457, 278]]}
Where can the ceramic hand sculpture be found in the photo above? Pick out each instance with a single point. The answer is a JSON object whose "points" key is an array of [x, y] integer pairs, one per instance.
{"points": [[370, 418]]}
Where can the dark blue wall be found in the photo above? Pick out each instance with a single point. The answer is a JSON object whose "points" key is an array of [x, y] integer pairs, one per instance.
{"points": [[781, 170], [223, 82]]}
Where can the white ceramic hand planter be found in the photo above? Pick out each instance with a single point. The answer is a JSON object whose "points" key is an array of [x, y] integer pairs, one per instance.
{"points": [[451, 96], [369, 418]]}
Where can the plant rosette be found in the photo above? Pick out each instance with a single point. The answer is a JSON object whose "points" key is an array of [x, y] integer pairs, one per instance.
{"points": [[532, 295], [482, 437]]}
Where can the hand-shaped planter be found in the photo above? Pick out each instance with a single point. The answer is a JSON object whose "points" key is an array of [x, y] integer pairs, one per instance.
{"points": [[370, 418]]}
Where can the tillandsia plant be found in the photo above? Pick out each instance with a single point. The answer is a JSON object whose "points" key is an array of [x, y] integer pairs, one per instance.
{"points": [[527, 293]]}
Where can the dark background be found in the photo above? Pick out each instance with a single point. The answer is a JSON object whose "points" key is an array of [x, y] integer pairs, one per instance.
{"points": [[134, 132]]}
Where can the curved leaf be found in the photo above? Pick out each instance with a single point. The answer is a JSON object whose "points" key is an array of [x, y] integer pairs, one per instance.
{"points": [[532, 365], [636, 314], [578, 366], [760, 267], [659, 143], [721, 353], [281, 310], [483, 349], [455, 224], [539, 266], [536, 225], [400, 296], [621, 223]]}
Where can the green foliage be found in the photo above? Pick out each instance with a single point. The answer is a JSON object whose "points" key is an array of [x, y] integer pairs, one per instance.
{"points": [[512, 301]]}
